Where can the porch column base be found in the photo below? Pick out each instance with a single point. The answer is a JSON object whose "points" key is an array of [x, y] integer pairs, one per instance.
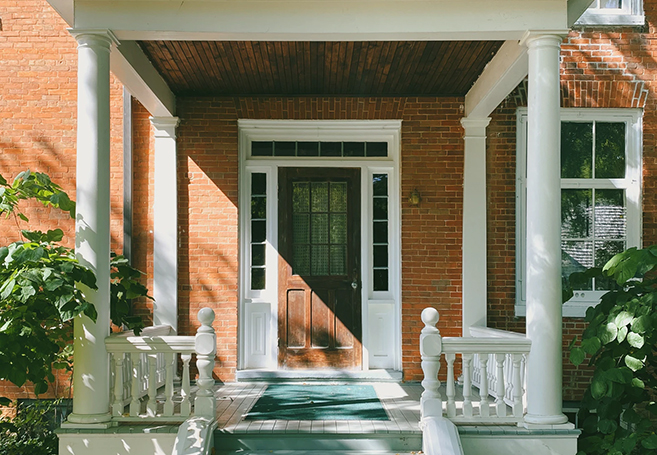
{"points": [[88, 421], [546, 426]]}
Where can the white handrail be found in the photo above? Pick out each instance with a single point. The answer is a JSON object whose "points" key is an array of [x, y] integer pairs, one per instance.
{"points": [[503, 355], [162, 353]]}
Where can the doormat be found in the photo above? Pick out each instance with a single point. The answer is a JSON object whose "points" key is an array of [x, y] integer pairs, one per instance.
{"points": [[318, 402]]}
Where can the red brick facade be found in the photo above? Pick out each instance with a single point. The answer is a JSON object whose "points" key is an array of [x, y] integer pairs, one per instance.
{"points": [[38, 61]]}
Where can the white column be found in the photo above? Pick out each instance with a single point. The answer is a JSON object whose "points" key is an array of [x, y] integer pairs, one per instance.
{"points": [[165, 235], [474, 224], [544, 369], [92, 227]]}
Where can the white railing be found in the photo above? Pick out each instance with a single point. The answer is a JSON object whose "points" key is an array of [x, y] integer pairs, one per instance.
{"points": [[508, 355], [127, 353], [492, 376]]}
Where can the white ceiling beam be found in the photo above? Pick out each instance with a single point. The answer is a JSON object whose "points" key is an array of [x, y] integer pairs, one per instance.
{"points": [[320, 20], [134, 70], [502, 74], [576, 8], [66, 9]]}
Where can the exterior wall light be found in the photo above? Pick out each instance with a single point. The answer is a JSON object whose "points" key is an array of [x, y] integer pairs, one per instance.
{"points": [[414, 198]]}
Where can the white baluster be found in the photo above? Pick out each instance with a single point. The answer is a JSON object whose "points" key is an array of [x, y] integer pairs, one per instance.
{"points": [[186, 404], [517, 386], [151, 406], [169, 361], [117, 405], [431, 404], [451, 391], [467, 384], [484, 406], [508, 374], [135, 406], [206, 348], [500, 405]]}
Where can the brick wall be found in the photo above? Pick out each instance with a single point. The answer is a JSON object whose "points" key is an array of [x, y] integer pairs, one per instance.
{"points": [[38, 92], [432, 162]]}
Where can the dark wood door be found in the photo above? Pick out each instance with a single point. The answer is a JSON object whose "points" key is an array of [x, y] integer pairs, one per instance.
{"points": [[319, 268]]}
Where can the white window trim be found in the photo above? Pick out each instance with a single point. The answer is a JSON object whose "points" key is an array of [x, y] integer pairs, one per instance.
{"points": [[577, 306], [377, 303], [632, 14]]}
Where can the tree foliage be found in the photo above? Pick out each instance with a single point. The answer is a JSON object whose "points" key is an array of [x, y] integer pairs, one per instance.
{"points": [[619, 413], [42, 290]]}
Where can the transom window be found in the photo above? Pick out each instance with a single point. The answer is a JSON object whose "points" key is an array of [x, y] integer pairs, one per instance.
{"points": [[308, 149], [600, 196]]}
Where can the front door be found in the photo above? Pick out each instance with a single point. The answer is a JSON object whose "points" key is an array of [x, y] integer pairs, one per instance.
{"points": [[319, 268]]}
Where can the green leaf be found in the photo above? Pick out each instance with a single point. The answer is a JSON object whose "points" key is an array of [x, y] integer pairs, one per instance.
{"points": [[635, 340], [623, 318], [40, 388], [4, 401], [591, 345], [577, 356], [641, 324], [622, 334], [638, 383], [598, 388], [633, 363], [650, 442], [621, 375], [17, 375], [55, 235], [607, 426], [608, 333], [23, 217]]}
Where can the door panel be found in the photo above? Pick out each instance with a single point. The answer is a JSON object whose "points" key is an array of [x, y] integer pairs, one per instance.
{"points": [[319, 282]]}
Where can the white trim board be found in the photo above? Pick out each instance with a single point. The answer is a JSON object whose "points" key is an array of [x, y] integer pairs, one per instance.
{"points": [[381, 310]]}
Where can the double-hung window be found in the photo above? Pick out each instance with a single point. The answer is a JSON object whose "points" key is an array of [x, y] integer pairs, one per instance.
{"points": [[600, 196], [613, 12]]}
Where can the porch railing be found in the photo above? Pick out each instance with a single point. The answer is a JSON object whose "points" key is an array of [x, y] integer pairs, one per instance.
{"points": [[144, 379], [503, 355]]}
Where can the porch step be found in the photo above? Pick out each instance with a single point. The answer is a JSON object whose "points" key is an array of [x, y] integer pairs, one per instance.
{"points": [[314, 444], [318, 375]]}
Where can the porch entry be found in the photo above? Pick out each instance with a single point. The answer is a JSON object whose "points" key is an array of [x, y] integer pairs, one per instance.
{"points": [[320, 321]]}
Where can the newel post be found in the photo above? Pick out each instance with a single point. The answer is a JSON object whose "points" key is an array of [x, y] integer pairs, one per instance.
{"points": [[206, 349], [431, 404]]}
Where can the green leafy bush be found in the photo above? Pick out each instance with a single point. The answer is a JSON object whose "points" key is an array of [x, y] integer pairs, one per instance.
{"points": [[30, 431], [619, 413], [41, 293]]}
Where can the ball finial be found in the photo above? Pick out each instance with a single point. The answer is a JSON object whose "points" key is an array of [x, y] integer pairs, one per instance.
{"points": [[430, 316], [206, 316]]}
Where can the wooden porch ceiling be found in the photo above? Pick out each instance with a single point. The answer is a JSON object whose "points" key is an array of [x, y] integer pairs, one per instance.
{"points": [[372, 68]]}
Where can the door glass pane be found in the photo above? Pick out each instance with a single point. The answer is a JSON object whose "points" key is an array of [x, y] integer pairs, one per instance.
{"points": [[338, 259], [576, 150], [320, 260], [576, 213], [319, 197], [610, 150], [339, 228], [610, 220], [380, 232], [300, 197], [338, 197], [258, 229], [300, 228], [319, 228], [301, 260]]}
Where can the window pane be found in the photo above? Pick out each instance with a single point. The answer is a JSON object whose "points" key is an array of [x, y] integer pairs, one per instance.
{"points": [[610, 219], [576, 213], [258, 231], [331, 149], [258, 207], [319, 228], [380, 256], [576, 257], [380, 184], [285, 148], [320, 260], [300, 228], [338, 260], [262, 148], [339, 228], [381, 280], [604, 250], [258, 254], [380, 232], [610, 150], [338, 197], [319, 197], [380, 208], [308, 149], [258, 184], [257, 279], [377, 149], [576, 150], [610, 4], [354, 149], [300, 197]]}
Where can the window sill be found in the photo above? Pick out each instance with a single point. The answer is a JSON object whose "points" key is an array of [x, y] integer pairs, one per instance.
{"points": [[569, 309], [589, 19]]}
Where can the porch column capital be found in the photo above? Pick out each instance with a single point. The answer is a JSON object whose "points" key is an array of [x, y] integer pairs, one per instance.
{"points": [[474, 274], [165, 223], [543, 267], [94, 38], [165, 127], [543, 38]]}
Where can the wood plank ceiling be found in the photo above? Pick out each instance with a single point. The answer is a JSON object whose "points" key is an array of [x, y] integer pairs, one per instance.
{"points": [[248, 68]]}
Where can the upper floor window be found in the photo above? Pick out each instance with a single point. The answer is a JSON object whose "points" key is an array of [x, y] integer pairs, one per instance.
{"points": [[613, 12], [600, 195]]}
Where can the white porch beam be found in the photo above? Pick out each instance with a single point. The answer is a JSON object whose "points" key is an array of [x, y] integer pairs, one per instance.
{"points": [[142, 80], [544, 323], [92, 226], [165, 226], [575, 10], [474, 224], [66, 9], [336, 20], [502, 74]]}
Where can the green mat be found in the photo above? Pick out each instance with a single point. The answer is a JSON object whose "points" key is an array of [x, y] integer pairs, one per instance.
{"points": [[318, 402]]}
